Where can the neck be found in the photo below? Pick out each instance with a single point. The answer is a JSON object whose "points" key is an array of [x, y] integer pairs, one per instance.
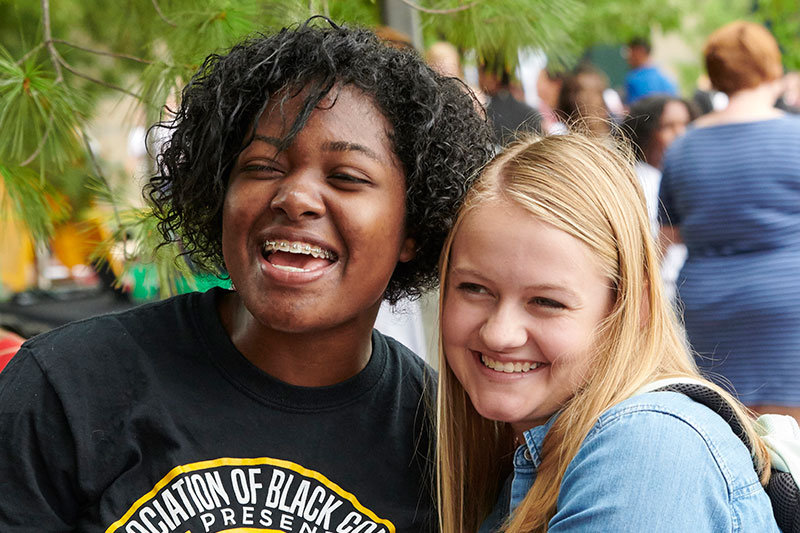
{"points": [[303, 358], [759, 99], [747, 105]]}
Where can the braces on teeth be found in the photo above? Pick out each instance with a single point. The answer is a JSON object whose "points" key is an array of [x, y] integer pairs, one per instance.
{"points": [[299, 248]]}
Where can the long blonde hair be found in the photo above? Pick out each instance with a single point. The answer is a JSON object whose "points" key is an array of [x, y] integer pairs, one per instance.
{"points": [[587, 187]]}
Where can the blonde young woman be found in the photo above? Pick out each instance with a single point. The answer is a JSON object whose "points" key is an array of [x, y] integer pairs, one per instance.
{"points": [[553, 319]]}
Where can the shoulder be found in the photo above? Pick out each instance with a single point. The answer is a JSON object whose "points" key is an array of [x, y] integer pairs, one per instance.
{"points": [[696, 144], [790, 123], [402, 364], [661, 462], [668, 429], [634, 73], [644, 412], [677, 149], [109, 336]]}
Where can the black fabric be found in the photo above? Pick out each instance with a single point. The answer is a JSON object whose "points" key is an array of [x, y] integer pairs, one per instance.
{"points": [[781, 489], [150, 420], [508, 117], [783, 493]]}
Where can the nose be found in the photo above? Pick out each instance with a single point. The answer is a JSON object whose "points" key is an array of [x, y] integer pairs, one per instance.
{"points": [[298, 196], [504, 329]]}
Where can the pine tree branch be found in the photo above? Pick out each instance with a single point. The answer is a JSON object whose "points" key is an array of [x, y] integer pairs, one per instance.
{"points": [[38, 150], [48, 39], [101, 176], [439, 11], [80, 74], [161, 15], [103, 53], [29, 53]]}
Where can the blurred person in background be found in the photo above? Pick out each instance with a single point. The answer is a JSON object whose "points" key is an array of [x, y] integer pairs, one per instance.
{"points": [[508, 115], [644, 78], [443, 57], [731, 192], [652, 124], [548, 87], [789, 101], [582, 100]]}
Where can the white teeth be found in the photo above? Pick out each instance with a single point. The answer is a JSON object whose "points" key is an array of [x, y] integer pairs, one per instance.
{"points": [[509, 368], [294, 247], [290, 268]]}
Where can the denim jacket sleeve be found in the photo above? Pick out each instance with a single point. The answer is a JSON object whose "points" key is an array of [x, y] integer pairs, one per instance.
{"points": [[661, 463]]}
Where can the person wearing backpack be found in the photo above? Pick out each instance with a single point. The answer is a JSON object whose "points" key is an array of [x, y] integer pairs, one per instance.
{"points": [[551, 334]]}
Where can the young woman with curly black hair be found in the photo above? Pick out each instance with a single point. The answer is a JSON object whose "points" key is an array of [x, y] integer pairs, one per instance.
{"points": [[320, 169]]}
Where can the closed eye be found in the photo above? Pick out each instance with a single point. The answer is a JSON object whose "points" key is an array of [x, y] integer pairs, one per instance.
{"points": [[547, 302], [262, 171], [348, 180], [472, 288]]}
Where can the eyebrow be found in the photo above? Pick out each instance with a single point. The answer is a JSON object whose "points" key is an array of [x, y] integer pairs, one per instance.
{"points": [[331, 146], [274, 141], [344, 146]]}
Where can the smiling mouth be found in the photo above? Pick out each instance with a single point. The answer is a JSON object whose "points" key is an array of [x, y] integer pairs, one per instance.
{"points": [[297, 256], [508, 367]]}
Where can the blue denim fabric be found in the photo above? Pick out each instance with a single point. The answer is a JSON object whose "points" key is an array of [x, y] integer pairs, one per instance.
{"points": [[655, 463]]}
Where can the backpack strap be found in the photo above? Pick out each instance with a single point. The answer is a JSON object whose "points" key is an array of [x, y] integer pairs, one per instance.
{"points": [[780, 433]]}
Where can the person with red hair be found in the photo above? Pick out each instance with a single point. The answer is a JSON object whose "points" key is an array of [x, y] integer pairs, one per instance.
{"points": [[730, 191]]}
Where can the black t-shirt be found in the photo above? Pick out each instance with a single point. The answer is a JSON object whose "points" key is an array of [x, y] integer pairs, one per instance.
{"points": [[151, 421]]}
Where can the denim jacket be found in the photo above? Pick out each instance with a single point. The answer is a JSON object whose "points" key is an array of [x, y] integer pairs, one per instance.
{"points": [[655, 463]]}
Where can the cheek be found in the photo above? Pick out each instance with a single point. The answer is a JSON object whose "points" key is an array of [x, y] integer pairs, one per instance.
{"points": [[568, 349], [239, 201], [459, 321], [373, 227], [449, 325], [229, 222]]}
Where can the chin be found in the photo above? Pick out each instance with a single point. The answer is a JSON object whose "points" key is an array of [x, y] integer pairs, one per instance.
{"points": [[498, 412]]}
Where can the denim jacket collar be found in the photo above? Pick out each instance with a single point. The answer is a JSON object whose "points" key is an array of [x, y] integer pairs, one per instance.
{"points": [[534, 438]]}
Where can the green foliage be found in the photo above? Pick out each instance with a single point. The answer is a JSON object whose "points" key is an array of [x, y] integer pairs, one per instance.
{"points": [[500, 29], [615, 22], [360, 12], [37, 115], [783, 18], [25, 198]]}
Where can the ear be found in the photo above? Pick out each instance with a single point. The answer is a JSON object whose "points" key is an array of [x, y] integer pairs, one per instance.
{"points": [[408, 250]]}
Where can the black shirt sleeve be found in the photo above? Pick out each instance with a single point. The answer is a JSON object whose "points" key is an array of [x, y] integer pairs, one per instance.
{"points": [[37, 453]]}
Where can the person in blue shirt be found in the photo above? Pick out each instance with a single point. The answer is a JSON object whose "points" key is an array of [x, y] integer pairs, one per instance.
{"points": [[553, 324], [644, 78]]}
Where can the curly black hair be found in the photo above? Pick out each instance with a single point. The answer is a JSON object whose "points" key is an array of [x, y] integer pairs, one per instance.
{"points": [[439, 134]]}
